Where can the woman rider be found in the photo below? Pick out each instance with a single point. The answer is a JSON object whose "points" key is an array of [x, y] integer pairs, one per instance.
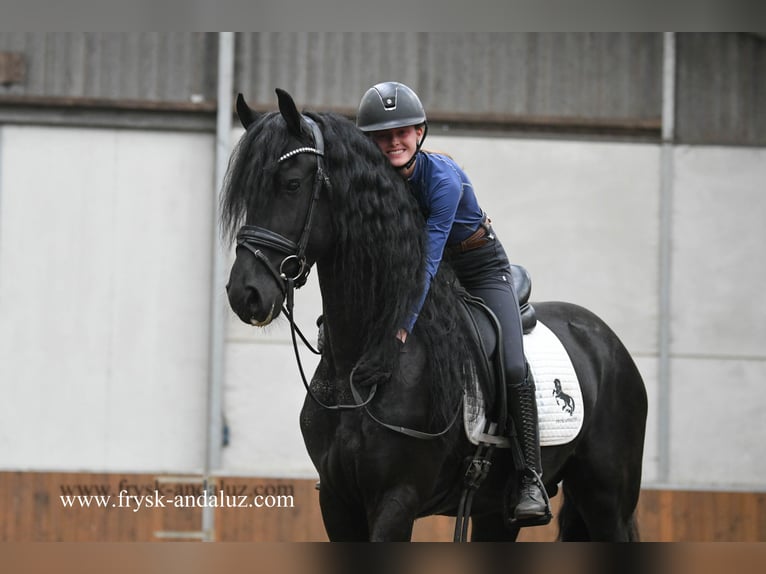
{"points": [[459, 232]]}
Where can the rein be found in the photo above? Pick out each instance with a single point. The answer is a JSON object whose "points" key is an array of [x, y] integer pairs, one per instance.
{"points": [[254, 238]]}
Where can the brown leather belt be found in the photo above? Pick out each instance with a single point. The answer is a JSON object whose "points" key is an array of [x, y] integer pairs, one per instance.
{"points": [[477, 239]]}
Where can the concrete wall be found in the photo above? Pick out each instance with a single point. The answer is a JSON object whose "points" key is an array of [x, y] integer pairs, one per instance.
{"points": [[718, 319], [105, 239]]}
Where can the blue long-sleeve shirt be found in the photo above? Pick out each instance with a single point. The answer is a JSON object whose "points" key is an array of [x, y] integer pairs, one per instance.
{"points": [[447, 199]]}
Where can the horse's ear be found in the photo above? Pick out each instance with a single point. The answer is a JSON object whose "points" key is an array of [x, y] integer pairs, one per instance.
{"points": [[290, 112], [246, 114]]}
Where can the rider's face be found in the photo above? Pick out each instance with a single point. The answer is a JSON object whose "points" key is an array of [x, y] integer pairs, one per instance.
{"points": [[399, 144]]}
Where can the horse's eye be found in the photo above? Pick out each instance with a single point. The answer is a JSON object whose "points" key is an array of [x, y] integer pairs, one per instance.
{"points": [[293, 184]]}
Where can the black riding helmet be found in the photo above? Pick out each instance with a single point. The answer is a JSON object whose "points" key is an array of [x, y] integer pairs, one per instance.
{"points": [[391, 105]]}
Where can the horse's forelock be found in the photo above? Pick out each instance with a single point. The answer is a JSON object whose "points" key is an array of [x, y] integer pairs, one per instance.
{"points": [[251, 169]]}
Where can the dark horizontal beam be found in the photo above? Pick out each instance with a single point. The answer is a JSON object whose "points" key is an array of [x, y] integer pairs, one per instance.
{"points": [[91, 112], [201, 116]]}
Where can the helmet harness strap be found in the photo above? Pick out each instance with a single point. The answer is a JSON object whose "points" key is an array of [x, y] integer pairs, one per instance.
{"points": [[407, 165]]}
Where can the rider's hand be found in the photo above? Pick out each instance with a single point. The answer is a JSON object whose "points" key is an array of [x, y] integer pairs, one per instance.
{"points": [[401, 334]]}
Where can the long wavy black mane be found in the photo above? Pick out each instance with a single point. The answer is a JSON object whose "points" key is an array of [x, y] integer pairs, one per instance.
{"points": [[380, 238]]}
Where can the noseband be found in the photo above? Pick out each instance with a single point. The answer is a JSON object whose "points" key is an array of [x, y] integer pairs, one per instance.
{"points": [[254, 238]]}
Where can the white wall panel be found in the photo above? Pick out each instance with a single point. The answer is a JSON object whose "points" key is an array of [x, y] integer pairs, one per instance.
{"points": [[105, 243], [263, 399], [647, 366], [719, 263], [718, 425], [718, 319]]}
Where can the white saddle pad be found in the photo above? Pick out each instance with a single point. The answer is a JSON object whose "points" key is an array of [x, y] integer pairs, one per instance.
{"points": [[559, 399]]}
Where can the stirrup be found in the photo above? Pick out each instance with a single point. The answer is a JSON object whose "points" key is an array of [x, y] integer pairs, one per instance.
{"points": [[534, 520]]}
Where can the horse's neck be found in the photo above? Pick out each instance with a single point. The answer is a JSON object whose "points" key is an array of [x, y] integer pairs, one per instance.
{"points": [[343, 334]]}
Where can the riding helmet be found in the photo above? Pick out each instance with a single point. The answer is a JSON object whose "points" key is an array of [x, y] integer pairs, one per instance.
{"points": [[389, 105]]}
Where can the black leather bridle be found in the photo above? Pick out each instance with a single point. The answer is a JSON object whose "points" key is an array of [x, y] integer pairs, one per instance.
{"points": [[253, 237]]}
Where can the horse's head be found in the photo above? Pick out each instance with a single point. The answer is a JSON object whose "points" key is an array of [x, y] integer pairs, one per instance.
{"points": [[276, 183]]}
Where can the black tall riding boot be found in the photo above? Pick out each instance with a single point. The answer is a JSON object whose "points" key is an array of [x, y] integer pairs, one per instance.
{"points": [[533, 506]]}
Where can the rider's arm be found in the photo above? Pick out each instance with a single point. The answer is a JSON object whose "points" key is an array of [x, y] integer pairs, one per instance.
{"points": [[443, 197]]}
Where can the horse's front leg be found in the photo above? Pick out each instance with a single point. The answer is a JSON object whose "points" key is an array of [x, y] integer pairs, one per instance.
{"points": [[392, 518], [343, 521]]}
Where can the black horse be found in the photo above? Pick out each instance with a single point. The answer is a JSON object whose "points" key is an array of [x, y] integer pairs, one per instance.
{"points": [[312, 189]]}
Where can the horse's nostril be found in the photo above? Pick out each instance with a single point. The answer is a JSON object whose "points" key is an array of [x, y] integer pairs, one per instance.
{"points": [[252, 299]]}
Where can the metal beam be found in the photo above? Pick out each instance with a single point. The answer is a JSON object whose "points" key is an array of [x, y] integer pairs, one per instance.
{"points": [[58, 114], [217, 299], [666, 247]]}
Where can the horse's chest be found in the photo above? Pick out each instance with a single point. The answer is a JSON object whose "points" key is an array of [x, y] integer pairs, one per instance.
{"points": [[333, 439], [342, 454], [347, 440]]}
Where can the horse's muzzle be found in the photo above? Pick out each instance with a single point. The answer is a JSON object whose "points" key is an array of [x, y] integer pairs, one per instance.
{"points": [[250, 306], [269, 318]]}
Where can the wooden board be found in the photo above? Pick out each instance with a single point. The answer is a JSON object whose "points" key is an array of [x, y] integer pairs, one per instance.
{"points": [[33, 511]]}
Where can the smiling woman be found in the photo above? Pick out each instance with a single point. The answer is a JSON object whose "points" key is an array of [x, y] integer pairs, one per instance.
{"points": [[400, 145]]}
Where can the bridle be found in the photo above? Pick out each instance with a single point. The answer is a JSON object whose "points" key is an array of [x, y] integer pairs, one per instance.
{"points": [[253, 237]]}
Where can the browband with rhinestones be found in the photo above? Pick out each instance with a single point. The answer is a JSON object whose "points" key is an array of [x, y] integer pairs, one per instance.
{"points": [[297, 151]]}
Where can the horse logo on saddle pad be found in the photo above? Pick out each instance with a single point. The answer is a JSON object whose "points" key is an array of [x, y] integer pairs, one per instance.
{"points": [[567, 402]]}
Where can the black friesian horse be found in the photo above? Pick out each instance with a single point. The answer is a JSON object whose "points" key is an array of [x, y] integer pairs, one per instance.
{"points": [[312, 189]]}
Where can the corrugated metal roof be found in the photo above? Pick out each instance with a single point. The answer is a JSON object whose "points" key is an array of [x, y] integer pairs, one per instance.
{"points": [[721, 88], [150, 66], [538, 74]]}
